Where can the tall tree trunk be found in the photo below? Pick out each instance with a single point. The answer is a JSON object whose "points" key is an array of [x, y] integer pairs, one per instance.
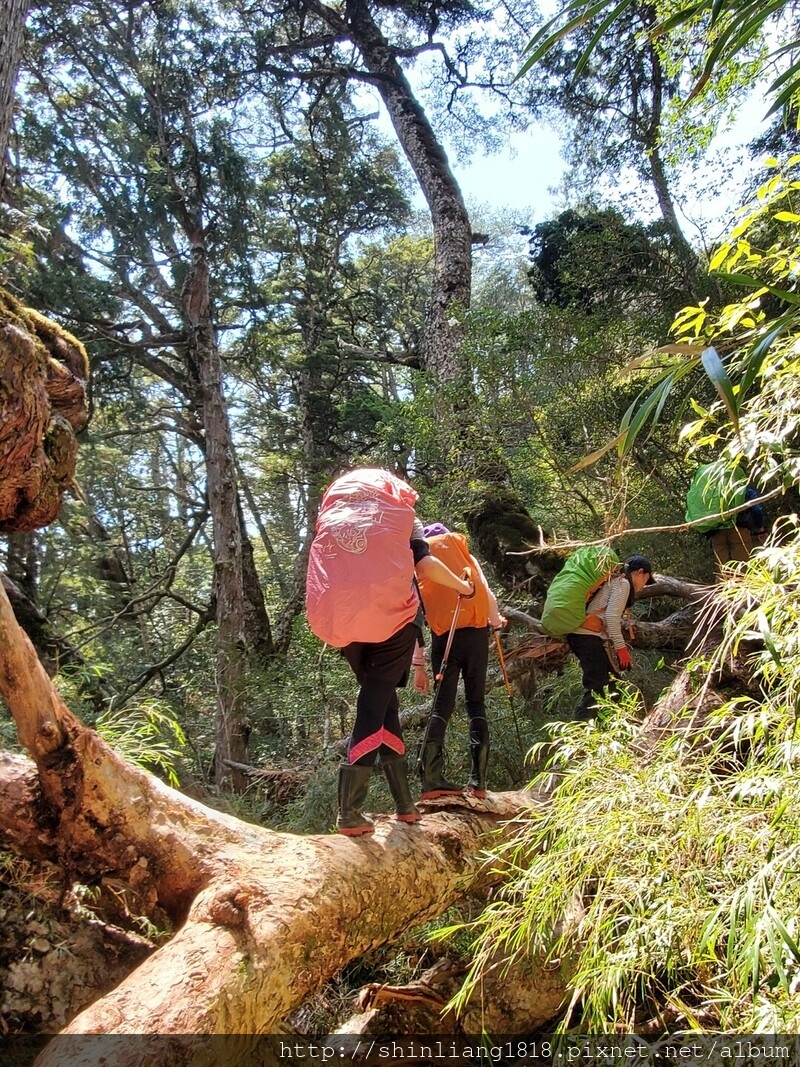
{"points": [[498, 520], [231, 727], [452, 232], [258, 634], [651, 144], [12, 27]]}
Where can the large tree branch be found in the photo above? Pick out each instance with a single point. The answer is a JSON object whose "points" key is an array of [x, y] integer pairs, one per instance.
{"points": [[370, 355]]}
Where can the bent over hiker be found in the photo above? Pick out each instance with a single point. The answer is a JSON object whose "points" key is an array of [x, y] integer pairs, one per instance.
{"points": [[714, 491], [599, 637], [360, 598], [459, 648]]}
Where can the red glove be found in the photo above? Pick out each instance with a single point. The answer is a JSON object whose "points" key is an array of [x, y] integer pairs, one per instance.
{"points": [[624, 657]]}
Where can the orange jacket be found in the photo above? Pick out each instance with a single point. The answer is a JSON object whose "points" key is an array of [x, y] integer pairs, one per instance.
{"points": [[439, 602]]}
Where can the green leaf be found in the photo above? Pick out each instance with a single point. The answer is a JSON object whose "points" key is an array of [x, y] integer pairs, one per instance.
{"points": [[758, 352], [715, 369], [636, 416], [593, 457], [577, 14], [598, 35]]}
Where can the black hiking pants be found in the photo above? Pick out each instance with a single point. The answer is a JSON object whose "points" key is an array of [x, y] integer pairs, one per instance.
{"points": [[598, 674], [380, 669], [468, 659]]}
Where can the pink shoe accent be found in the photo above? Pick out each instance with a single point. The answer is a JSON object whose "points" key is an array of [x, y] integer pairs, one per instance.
{"points": [[356, 831], [432, 794], [411, 817]]}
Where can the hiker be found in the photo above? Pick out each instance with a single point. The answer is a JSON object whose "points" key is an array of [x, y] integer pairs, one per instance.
{"points": [[360, 598], [714, 491], [736, 541], [467, 657], [598, 642]]}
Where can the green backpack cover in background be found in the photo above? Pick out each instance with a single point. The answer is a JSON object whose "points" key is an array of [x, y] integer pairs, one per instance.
{"points": [[585, 570], [713, 491]]}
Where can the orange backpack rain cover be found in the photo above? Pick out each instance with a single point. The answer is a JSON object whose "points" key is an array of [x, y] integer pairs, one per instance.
{"points": [[360, 568], [440, 602]]}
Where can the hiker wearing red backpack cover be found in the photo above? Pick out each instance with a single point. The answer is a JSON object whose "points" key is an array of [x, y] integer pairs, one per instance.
{"points": [[360, 598], [600, 634]]}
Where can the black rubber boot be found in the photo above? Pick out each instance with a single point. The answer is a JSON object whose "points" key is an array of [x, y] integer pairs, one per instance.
{"points": [[433, 782], [587, 709], [396, 771], [476, 786], [353, 784]]}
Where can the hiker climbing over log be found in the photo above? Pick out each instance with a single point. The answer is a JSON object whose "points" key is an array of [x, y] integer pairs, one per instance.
{"points": [[585, 605], [599, 642], [459, 649], [713, 494], [360, 597]]}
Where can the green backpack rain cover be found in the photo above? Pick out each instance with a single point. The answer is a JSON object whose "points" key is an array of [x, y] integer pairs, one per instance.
{"points": [[713, 491], [586, 569]]}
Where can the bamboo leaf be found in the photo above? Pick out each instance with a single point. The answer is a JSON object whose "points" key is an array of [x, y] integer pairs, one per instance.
{"points": [[715, 370], [681, 349], [758, 352], [635, 418], [786, 937], [548, 37], [598, 35], [593, 457]]}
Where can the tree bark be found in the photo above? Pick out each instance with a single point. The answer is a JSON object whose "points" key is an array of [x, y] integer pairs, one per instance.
{"points": [[12, 26], [452, 232], [43, 405], [231, 727], [504, 1003]]}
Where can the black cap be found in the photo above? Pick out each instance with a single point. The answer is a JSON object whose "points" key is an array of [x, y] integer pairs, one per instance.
{"points": [[640, 563]]}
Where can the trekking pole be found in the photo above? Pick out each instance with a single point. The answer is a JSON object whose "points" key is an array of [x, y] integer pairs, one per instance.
{"points": [[502, 660], [507, 683], [438, 680]]}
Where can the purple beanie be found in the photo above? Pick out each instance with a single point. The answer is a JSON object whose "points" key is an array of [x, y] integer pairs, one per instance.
{"points": [[434, 529]]}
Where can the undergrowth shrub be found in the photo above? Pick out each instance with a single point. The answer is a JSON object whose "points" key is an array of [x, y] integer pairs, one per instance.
{"points": [[670, 879]]}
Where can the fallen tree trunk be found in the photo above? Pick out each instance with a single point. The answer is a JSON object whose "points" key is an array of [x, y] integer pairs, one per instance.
{"points": [[266, 918], [285, 913]]}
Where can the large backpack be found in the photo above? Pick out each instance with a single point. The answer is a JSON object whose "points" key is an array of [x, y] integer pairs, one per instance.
{"points": [[714, 490], [360, 567], [580, 577], [440, 602]]}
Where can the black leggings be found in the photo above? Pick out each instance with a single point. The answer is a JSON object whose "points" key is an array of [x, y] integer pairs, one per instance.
{"points": [[469, 659], [380, 669], [598, 674]]}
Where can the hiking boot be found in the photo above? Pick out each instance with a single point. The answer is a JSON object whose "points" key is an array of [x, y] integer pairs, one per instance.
{"points": [[587, 709], [476, 786], [353, 784], [433, 783], [396, 771]]}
